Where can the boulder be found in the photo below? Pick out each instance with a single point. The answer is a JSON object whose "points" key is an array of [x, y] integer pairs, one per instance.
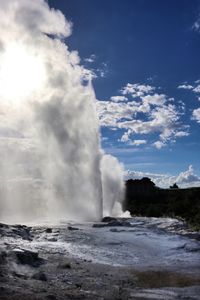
{"points": [[3, 225], [113, 223], [22, 231], [51, 297], [65, 266], [99, 225], [3, 257], [26, 257], [108, 219], [72, 228], [40, 276]]}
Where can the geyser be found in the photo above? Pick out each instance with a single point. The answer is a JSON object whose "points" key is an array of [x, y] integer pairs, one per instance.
{"points": [[52, 166]]}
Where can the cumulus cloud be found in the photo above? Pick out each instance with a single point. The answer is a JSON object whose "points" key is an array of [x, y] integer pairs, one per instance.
{"points": [[194, 88], [159, 145], [138, 142], [93, 73], [196, 115], [125, 136], [185, 179], [185, 87], [155, 99], [90, 59], [136, 89], [118, 98], [197, 89], [148, 114], [181, 133]]}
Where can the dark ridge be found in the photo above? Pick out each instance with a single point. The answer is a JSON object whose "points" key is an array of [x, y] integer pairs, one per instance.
{"points": [[144, 198]]}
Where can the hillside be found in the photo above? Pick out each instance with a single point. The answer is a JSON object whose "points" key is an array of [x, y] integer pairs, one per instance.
{"points": [[145, 199]]}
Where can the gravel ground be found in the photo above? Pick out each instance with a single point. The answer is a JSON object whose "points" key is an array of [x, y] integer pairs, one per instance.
{"points": [[33, 269]]}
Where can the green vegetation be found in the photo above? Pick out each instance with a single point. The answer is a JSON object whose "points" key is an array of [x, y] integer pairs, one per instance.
{"points": [[145, 199]]}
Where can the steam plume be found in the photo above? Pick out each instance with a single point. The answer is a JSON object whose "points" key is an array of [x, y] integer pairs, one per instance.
{"points": [[49, 132]]}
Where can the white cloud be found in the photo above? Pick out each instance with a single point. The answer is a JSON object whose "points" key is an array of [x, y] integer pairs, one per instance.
{"points": [[90, 59], [125, 136], [196, 25], [102, 71], [161, 120], [181, 133], [155, 99], [150, 114], [159, 145], [138, 142], [137, 90], [185, 179], [185, 87], [93, 73], [181, 105], [88, 75], [197, 89], [118, 98], [196, 115], [117, 113], [194, 88]]}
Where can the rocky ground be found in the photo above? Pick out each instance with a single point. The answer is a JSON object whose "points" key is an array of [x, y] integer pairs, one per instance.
{"points": [[141, 258]]}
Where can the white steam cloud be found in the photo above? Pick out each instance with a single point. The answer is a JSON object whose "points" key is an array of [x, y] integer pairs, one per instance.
{"points": [[49, 132], [113, 184]]}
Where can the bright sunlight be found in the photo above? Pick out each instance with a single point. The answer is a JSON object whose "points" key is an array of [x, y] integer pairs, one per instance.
{"points": [[21, 74]]}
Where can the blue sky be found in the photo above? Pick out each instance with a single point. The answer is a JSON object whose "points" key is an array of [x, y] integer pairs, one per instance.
{"points": [[144, 56]]}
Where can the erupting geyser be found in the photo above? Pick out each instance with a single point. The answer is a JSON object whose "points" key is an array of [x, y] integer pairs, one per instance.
{"points": [[51, 164]]}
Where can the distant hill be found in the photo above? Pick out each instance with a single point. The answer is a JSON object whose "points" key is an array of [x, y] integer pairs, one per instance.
{"points": [[144, 198]]}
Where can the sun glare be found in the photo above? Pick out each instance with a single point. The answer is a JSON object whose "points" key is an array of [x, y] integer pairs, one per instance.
{"points": [[21, 74]]}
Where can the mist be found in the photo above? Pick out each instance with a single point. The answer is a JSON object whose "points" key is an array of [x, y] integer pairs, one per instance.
{"points": [[52, 166]]}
